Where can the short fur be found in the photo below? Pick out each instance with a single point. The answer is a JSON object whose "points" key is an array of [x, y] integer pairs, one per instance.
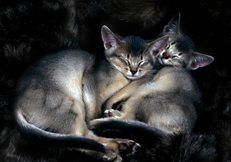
{"points": [[169, 100], [206, 22], [58, 95], [180, 50]]}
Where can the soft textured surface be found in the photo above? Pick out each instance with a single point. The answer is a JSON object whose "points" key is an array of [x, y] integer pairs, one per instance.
{"points": [[30, 29]]}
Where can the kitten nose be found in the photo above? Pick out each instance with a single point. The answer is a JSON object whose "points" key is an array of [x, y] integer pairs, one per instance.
{"points": [[165, 55], [133, 71]]}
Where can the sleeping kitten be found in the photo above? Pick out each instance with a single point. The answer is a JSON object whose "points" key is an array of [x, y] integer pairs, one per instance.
{"points": [[62, 92], [180, 49], [168, 101]]}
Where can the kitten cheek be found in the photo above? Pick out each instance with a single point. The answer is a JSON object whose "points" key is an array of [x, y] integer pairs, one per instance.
{"points": [[161, 61], [146, 66]]}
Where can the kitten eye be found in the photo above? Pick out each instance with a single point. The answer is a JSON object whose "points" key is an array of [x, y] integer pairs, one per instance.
{"points": [[177, 55], [127, 62], [174, 56], [168, 46], [173, 43], [141, 63], [124, 60]]}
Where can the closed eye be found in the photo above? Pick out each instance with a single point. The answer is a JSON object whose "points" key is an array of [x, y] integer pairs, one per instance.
{"points": [[168, 46], [177, 56], [143, 63], [174, 56], [125, 61]]}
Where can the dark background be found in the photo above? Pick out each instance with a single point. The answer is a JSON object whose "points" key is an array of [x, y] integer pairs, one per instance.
{"points": [[30, 29]]}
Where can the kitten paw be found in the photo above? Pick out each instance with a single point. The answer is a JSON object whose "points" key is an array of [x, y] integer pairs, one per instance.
{"points": [[124, 148], [129, 148], [117, 158], [112, 113]]}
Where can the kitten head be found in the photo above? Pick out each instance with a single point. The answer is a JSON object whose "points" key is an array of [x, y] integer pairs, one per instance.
{"points": [[180, 48], [131, 55]]}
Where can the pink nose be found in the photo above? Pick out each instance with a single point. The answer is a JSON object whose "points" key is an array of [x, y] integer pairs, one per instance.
{"points": [[133, 71], [165, 55]]}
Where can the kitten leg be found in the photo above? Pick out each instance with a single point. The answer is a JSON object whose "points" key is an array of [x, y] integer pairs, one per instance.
{"points": [[124, 93], [113, 147], [79, 127], [128, 110], [123, 147], [121, 95]]}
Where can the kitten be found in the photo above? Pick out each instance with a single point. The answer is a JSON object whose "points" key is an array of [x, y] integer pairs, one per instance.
{"points": [[169, 99], [167, 102], [180, 49], [62, 92]]}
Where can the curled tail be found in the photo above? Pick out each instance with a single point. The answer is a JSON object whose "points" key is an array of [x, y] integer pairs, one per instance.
{"points": [[135, 130], [67, 140]]}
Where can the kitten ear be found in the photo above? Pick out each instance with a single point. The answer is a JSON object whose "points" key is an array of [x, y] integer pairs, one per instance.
{"points": [[173, 25], [200, 60], [157, 45], [109, 38]]}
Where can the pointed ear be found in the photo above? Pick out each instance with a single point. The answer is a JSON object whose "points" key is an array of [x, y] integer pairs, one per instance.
{"points": [[200, 60], [157, 45], [109, 38], [173, 25]]}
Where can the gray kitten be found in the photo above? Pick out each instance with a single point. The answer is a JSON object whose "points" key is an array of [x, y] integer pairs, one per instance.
{"points": [[168, 100], [58, 95], [180, 49]]}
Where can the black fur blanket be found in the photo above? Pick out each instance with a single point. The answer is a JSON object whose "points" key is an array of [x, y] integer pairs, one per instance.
{"points": [[30, 29]]}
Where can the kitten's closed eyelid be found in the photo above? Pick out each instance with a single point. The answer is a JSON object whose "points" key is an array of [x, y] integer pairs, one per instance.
{"points": [[140, 63], [173, 43], [168, 46], [126, 61], [143, 62], [177, 55]]}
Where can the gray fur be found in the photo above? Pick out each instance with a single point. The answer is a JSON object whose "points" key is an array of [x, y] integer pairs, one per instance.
{"points": [[168, 100], [58, 95], [180, 49]]}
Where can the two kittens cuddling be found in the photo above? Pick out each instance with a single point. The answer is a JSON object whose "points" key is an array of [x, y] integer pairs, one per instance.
{"points": [[60, 97]]}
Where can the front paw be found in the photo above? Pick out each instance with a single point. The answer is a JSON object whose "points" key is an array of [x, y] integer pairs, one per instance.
{"points": [[129, 148], [112, 113], [112, 158], [125, 148]]}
